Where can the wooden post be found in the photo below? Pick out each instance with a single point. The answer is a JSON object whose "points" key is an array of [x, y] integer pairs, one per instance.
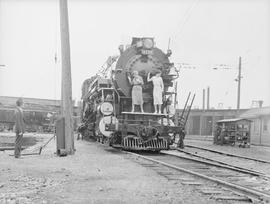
{"points": [[239, 85], [66, 92], [203, 104], [208, 98]]}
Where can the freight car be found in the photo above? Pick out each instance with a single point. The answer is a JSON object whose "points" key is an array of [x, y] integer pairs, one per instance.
{"points": [[106, 110]]}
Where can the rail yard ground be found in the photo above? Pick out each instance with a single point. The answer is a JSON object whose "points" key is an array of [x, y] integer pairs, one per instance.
{"points": [[255, 151], [95, 174]]}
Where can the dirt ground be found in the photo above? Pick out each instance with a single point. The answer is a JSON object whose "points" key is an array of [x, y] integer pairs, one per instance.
{"points": [[94, 174]]}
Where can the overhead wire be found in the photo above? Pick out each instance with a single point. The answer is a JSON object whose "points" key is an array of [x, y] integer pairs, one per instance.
{"points": [[185, 17]]}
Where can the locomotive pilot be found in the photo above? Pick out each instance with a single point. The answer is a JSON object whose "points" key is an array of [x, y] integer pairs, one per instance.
{"points": [[158, 88], [136, 93]]}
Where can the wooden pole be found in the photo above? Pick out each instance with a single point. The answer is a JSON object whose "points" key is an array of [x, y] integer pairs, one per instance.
{"points": [[66, 92], [208, 98], [203, 103], [239, 85]]}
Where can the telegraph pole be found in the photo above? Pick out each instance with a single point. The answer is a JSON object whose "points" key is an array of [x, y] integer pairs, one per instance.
{"points": [[239, 85], [66, 92]]}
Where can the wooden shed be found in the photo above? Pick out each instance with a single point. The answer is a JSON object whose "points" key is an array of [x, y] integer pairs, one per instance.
{"points": [[234, 131], [260, 126]]}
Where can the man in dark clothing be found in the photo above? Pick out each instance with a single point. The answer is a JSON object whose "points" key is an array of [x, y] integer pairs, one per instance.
{"points": [[19, 127], [182, 135]]}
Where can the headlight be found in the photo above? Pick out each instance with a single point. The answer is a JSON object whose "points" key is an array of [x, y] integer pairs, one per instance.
{"points": [[107, 120], [148, 43], [106, 108]]}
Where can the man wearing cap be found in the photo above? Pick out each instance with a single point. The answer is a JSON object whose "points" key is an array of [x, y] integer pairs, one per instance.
{"points": [[19, 127]]}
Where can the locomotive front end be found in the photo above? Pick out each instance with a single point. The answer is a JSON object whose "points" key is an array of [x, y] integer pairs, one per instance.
{"points": [[121, 99]]}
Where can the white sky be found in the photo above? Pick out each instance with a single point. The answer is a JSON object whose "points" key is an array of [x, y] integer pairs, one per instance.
{"points": [[203, 33]]}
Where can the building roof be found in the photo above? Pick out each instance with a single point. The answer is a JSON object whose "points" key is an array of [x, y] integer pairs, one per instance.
{"points": [[256, 112], [232, 120], [10, 100], [32, 104]]}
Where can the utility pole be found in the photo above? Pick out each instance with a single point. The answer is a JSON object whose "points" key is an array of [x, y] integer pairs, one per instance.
{"points": [[203, 104], [239, 85], [208, 98], [66, 90]]}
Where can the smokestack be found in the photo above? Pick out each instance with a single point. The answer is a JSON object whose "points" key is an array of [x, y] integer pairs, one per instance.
{"points": [[203, 103], [208, 98]]}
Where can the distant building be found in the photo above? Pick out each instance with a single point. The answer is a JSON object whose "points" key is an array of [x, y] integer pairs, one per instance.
{"points": [[260, 126], [40, 114], [202, 122]]}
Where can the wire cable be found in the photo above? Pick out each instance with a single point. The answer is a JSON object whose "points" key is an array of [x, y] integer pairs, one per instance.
{"points": [[185, 18]]}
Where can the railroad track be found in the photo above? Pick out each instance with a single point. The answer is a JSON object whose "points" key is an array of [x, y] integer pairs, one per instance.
{"points": [[215, 180], [228, 154], [227, 159]]}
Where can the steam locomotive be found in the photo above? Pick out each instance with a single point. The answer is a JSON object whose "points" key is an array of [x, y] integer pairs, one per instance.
{"points": [[106, 110]]}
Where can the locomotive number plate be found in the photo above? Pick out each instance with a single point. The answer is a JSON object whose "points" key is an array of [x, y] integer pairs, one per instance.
{"points": [[147, 52]]}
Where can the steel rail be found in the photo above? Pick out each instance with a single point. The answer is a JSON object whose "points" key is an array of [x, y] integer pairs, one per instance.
{"points": [[220, 164], [250, 192], [229, 154]]}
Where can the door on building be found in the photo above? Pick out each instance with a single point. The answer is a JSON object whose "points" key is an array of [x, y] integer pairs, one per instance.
{"points": [[196, 125], [208, 125], [265, 136]]}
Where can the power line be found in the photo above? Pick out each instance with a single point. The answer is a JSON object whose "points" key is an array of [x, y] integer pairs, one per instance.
{"points": [[186, 17]]}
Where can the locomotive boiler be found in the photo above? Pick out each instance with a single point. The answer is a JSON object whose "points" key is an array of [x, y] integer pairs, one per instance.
{"points": [[106, 112]]}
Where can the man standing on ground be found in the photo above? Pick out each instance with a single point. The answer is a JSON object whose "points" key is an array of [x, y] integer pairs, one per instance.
{"points": [[19, 127]]}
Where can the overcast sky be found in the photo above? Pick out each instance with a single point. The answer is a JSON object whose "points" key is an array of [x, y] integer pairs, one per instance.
{"points": [[203, 33]]}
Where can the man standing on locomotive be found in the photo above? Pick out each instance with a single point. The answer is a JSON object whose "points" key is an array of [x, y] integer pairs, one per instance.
{"points": [[157, 90], [136, 93]]}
